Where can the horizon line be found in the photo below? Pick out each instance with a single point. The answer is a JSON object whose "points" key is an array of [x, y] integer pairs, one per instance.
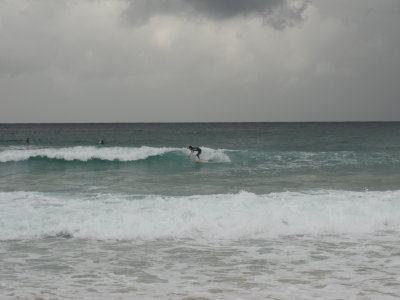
{"points": [[194, 122]]}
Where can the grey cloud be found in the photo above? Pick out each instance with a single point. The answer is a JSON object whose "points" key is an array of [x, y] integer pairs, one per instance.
{"points": [[77, 63], [277, 13], [231, 8]]}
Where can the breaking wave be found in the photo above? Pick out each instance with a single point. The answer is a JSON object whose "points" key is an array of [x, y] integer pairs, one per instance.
{"points": [[30, 215], [123, 154]]}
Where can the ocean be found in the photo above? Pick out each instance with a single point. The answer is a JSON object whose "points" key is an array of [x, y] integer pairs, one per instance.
{"points": [[274, 211]]}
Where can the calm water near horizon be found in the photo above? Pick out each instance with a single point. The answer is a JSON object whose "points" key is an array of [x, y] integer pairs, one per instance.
{"points": [[275, 211]]}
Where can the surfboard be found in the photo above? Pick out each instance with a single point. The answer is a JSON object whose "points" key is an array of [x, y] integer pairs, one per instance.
{"points": [[199, 160]]}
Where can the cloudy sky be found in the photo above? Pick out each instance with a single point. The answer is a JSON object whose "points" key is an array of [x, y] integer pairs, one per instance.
{"points": [[199, 60]]}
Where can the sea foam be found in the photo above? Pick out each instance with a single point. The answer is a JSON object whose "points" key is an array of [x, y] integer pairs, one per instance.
{"points": [[27, 215], [86, 153]]}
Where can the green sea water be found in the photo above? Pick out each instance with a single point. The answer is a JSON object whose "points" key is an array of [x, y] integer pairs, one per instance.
{"points": [[274, 211], [151, 158]]}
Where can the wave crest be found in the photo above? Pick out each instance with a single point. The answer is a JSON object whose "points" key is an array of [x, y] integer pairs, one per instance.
{"points": [[26, 215], [124, 154]]}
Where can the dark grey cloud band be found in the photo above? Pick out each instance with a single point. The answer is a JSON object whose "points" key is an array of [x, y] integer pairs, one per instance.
{"points": [[277, 13]]}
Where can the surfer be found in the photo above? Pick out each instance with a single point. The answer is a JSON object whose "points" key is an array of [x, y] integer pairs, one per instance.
{"points": [[197, 149]]}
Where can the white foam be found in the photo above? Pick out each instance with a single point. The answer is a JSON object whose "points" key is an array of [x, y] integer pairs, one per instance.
{"points": [[227, 216], [214, 155], [84, 153]]}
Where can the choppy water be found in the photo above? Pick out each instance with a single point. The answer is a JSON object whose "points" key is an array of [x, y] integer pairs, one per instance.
{"points": [[276, 211]]}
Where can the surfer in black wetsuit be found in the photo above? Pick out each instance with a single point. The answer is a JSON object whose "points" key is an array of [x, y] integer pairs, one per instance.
{"points": [[197, 149]]}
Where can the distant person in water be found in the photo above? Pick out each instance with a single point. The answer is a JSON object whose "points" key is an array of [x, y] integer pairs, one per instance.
{"points": [[197, 149], [101, 142], [27, 140]]}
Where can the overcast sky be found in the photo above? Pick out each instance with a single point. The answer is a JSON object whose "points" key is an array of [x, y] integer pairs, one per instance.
{"points": [[199, 60]]}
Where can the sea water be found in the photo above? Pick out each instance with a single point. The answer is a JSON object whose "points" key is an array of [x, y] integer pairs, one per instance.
{"points": [[274, 211]]}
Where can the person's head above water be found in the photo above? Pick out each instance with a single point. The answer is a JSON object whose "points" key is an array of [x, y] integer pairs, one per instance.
{"points": [[190, 147]]}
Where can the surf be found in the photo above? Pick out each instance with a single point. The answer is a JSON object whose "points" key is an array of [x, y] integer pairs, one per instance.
{"points": [[121, 154], [32, 215]]}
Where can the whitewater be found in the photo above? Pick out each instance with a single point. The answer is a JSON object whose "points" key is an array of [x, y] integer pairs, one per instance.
{"points": [[199, 217], [81, 153], [275, 211]]}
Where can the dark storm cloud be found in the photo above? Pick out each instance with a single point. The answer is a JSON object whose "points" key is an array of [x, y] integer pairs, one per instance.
{"points": [[231, 8], [277, 13], [199, 60]]}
